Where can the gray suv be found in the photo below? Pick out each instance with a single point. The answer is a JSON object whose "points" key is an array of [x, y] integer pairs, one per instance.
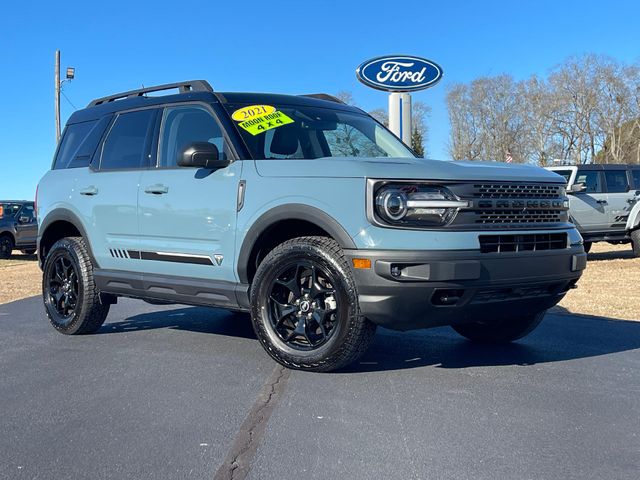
{"points": [[301, 210], [18, 227], [604, 202]]}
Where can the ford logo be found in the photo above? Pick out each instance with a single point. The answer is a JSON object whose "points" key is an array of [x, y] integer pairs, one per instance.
{"points": [[399, 73]]}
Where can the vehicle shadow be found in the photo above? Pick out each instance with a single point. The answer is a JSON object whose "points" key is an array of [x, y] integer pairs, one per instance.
{"points": [[610, 255], [193, 319], [561, 336]]}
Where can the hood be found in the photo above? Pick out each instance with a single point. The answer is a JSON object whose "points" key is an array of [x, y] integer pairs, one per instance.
{"points": [[404, 168]]}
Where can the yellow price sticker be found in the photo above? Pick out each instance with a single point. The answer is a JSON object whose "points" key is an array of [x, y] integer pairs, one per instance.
{"points": [[266, 122], [252, 111]]}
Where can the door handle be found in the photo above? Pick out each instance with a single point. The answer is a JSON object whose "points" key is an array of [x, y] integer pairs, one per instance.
{"points": [[157, 189], [90, 190]]}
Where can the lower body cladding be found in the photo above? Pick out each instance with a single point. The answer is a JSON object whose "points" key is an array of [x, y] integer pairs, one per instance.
{"points": [[405, 290]]}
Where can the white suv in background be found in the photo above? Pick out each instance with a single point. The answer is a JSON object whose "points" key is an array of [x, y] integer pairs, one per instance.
{"points": [[604, 202]]}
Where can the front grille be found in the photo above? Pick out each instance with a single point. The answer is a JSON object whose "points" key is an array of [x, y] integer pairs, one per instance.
{"points": [[488, 295], [516, 190], [521, 243], [518, 216]]}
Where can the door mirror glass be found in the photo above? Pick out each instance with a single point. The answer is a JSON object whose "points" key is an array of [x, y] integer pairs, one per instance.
{"points": [[201, 155], [577, 188]]}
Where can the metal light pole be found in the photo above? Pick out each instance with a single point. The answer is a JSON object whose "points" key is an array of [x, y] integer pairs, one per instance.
{"points": [[57, 95], [71, 72]]}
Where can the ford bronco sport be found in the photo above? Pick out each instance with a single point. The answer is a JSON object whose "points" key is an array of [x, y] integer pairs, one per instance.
{"points": [[604, 202], [301, 210], [18, 227]]}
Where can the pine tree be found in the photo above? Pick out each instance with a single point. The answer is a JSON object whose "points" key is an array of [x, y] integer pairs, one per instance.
{"points": [[416, 142]]}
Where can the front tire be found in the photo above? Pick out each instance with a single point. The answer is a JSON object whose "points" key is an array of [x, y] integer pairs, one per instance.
{"points": [[6, 247], [587, 246], [71, 299], [304, 306], [635, 242], [501, 331]]}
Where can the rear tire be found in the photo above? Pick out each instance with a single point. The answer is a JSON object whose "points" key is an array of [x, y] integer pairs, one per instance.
{"points": [[71, 299], [501, 331], [304, 306], [635, 242], [587, 246], [6, 246]]}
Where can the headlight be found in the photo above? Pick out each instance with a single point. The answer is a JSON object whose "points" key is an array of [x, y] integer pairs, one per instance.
{"points": [[416, 205]]}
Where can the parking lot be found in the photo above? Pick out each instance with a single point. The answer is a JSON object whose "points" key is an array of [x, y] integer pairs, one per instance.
{"points": [[186, 392]]}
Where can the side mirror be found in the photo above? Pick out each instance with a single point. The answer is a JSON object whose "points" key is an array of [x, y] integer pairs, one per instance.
{"points": [[201, 155], [577, 188]]}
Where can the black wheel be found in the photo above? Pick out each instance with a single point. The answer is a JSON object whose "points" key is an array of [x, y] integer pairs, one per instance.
{"points": [[587, 246], [29, 251], [6, 246], [635, 242], [501, 331], [304, 306], [71, 299]]}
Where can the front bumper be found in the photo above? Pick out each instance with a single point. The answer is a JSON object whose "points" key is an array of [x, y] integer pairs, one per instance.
{"points": [[405, 290]]}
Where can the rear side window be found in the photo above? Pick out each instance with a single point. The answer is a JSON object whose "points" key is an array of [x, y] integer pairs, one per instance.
{"points": [[617, 181], [636, 178], [73, 137], [591, 180], [127, 144]]}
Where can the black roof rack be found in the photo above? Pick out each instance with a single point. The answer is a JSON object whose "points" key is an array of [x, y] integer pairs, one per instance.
{"points": [[185, 87], [323, 96]]}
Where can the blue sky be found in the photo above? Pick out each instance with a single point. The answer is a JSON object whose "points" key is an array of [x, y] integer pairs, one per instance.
{"points": [[274, 46]]}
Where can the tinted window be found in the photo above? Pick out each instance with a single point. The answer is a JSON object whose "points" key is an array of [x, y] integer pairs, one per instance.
{"points": [[565, 173], [127, 144], [636, 178], [185, 125], [9, 209], [27, 211], [71, 141], [591, 180], [616, 181]]}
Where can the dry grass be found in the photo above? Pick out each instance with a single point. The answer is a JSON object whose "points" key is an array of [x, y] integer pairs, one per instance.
{"points": [[609, 287], [20, 277]]}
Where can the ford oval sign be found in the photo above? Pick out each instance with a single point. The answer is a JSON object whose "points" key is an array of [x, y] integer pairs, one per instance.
{"points": [[399, 73]]}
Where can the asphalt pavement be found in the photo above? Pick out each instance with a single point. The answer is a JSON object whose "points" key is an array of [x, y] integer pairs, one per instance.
{"points": [[182, 392]]}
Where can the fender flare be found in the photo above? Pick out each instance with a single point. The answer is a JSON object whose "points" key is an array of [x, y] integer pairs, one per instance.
{"points": [[633, 220], [61, 214], [291, 211]]}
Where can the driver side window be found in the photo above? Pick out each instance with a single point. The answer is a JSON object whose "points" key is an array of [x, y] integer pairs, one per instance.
{"points": [[185, 125], [591, 180]]}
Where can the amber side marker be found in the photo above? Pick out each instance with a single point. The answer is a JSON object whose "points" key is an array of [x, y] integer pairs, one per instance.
{"points": [[361, 263]]}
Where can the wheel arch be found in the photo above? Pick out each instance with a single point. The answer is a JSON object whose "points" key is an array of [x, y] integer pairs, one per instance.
{"points": [[58, 224], [633, 221], [283, 223]]}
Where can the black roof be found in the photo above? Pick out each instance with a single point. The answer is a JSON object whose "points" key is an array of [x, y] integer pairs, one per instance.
{"points": [[202, 92], [601, 166]]}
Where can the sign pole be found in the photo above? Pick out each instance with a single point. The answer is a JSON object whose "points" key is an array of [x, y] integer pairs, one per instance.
{"points": [[400, 116]]}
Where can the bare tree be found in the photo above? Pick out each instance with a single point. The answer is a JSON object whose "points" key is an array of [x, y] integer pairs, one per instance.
{"points": [[587, 111]]}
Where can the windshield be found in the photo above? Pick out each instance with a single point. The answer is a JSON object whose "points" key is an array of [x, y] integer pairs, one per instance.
{"points": [[302, 132]]}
